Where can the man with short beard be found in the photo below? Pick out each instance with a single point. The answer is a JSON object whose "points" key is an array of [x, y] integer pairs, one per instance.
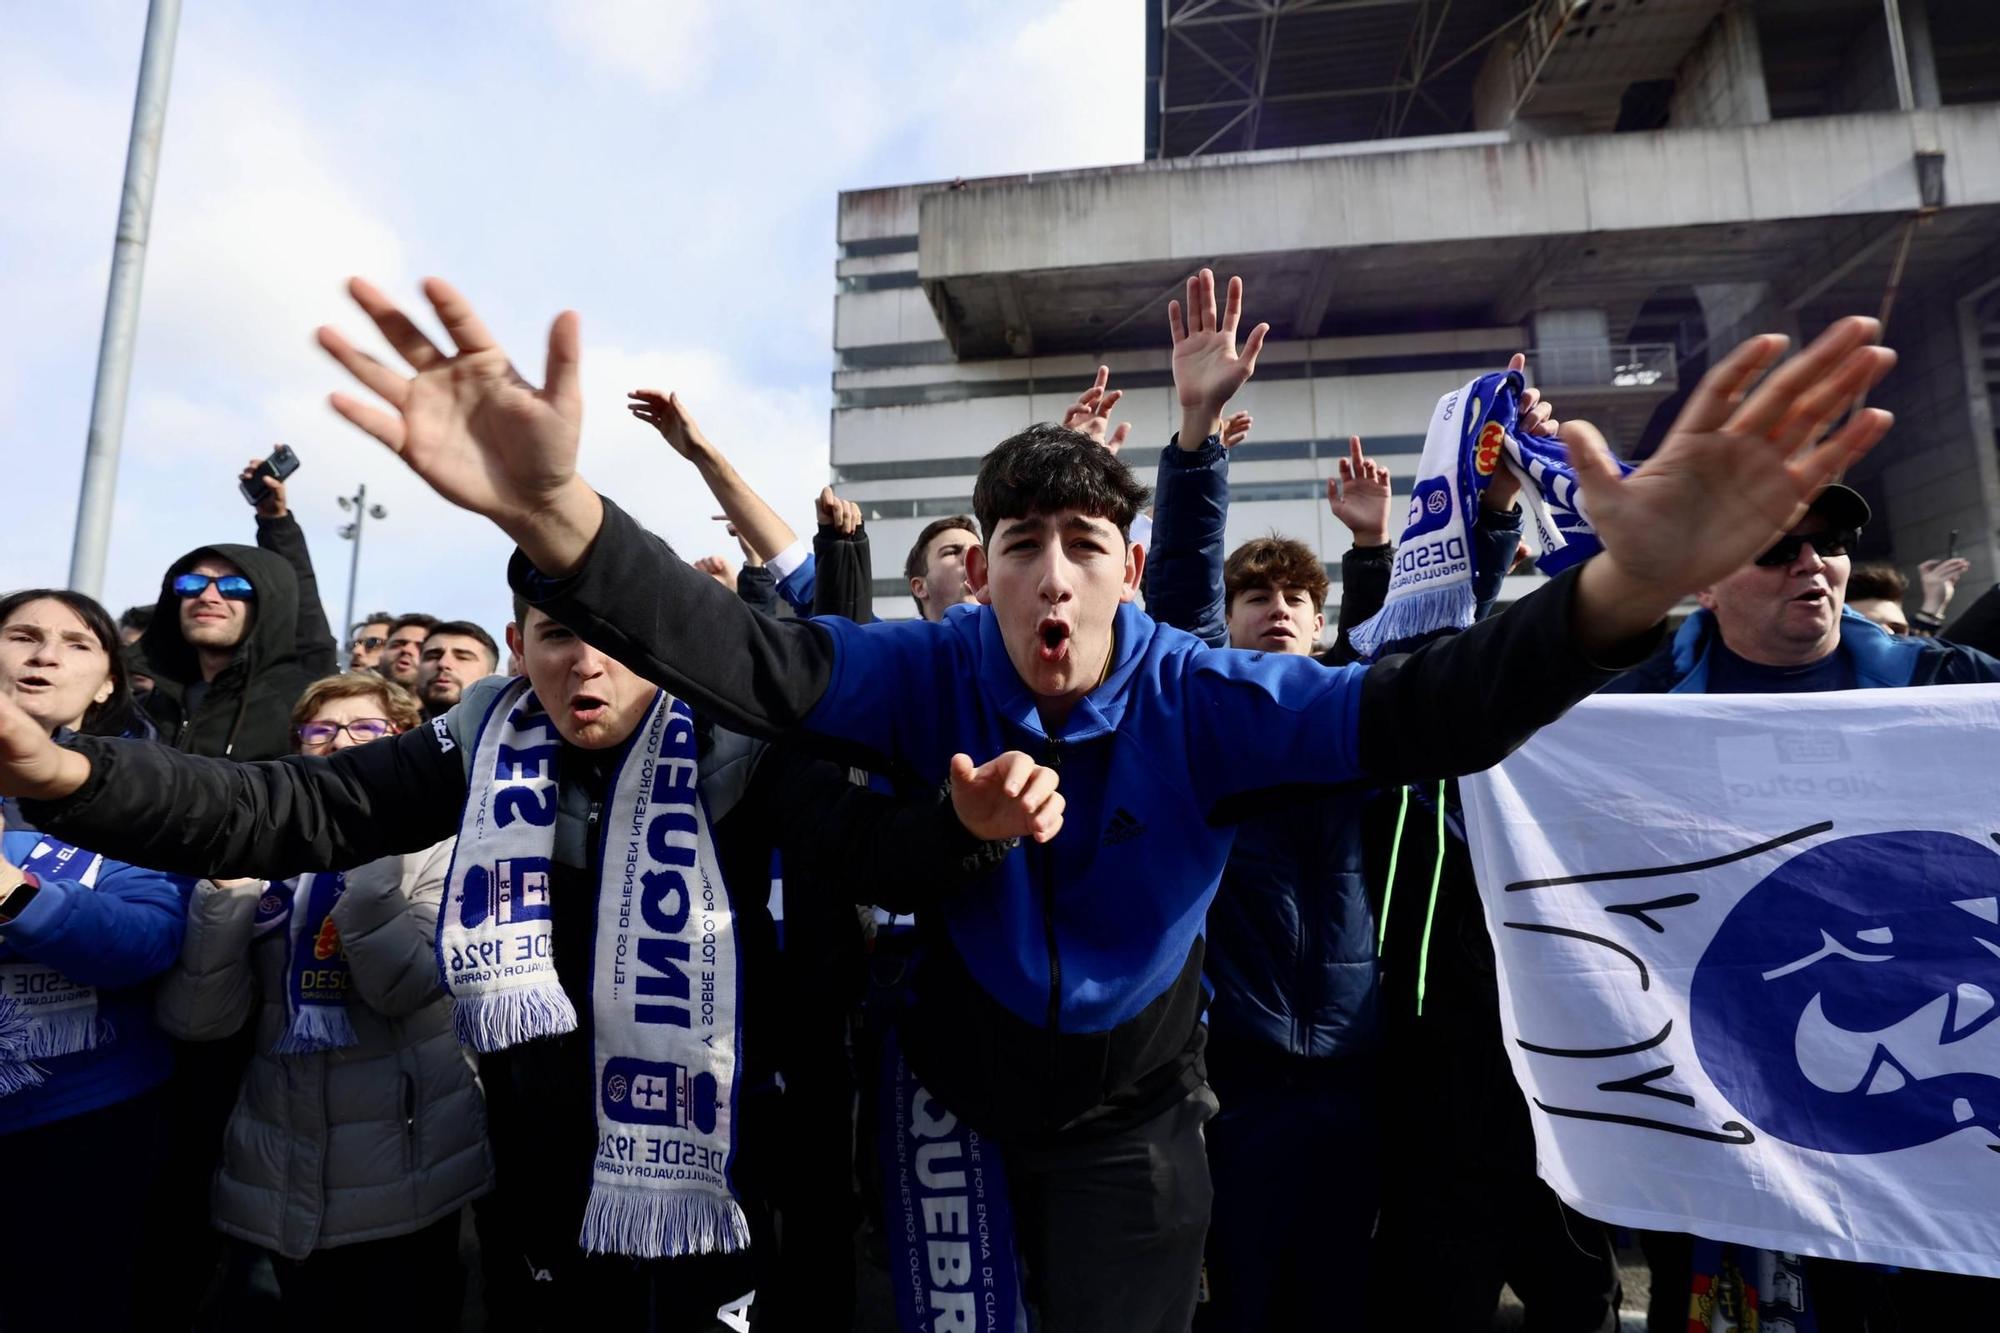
{"points": [[455, 654], [367, 639], [237, 634], [402, 656]]}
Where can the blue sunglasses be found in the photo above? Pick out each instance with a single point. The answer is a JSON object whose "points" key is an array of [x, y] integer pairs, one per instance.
{"points": [[233, 586]]}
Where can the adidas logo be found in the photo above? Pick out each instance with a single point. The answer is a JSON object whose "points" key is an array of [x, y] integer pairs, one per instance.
{"points": [[1124, 827]]}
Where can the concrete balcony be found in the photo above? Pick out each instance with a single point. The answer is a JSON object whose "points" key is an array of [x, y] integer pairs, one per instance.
{"points": [[1472, 229], [1615, 387]]}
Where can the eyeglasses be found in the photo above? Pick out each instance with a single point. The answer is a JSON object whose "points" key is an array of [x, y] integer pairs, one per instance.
{"points": [[1832, 542], [362, 729], [369, 641], [233, 586]]}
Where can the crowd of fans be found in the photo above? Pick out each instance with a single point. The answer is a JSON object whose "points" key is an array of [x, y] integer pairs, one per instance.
{"points": [[1124, 896]]}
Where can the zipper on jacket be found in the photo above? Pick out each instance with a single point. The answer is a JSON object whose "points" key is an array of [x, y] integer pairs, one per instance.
{"points": [[1048, 876], [409, 1122], [1306, 999]]}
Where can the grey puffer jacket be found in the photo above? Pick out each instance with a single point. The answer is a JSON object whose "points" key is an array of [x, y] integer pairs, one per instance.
{"points": [[361, 1143]]}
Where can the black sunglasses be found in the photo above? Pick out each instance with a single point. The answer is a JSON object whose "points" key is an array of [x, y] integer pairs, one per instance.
{"points": [[369, 641], [233, 586], [1832, 542]]}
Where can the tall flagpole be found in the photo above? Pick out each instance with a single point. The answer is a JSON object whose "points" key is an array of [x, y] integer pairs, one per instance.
{"points": [[121, 305]]}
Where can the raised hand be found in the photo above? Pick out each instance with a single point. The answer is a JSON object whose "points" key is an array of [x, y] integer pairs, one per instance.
{"points": [[1208, 366], [844, 516], [665, 413], [718, 569], [1537, 416], [1940, 581], [1360, 497], [1735, 470], [1236, 429], [32, 765], [1091, 413], [466, 422], [476, 432], [1008, 797], [273, 503]]}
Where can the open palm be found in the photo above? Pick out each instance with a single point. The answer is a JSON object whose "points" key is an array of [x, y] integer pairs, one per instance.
{"points": [[1208, 366], [1738, 466], [467, 423]]}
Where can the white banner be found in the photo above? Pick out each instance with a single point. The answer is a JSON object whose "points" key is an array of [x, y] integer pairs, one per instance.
{"points": [[1749, 953]]}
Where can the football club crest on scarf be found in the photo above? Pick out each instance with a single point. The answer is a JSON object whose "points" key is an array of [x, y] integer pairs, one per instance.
{"points": [[665, 991], [43, 1013], [1474, 433], [1749, 957], [318, 979]]}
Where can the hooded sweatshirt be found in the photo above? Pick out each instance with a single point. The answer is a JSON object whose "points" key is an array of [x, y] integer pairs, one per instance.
{"points": [[246, 711]]}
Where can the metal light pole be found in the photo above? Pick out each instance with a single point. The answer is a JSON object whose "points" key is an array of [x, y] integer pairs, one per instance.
{"points": [[363, 511], [121, 305]]}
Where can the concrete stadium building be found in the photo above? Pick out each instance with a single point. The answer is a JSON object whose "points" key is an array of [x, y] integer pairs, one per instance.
{"points": [[1414, 189]]}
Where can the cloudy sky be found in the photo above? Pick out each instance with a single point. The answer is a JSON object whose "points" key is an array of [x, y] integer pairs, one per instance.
{"points": [[666, 167]]}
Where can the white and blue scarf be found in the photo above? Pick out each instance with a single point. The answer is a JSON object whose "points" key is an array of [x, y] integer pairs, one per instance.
{"points": [[43, 1013], [318, 980], [1474, 431], [952, 1258], [665, 979]]}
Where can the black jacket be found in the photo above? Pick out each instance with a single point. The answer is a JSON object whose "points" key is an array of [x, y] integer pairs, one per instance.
{"points": [[246, 711], [843, 575], [1451, 706]]}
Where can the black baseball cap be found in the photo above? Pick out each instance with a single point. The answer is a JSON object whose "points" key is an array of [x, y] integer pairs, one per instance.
{"points": [[1841, 507]]}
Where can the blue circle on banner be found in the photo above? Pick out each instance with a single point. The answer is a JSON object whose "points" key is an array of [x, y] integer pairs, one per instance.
{"points": [[1850, 1002]]}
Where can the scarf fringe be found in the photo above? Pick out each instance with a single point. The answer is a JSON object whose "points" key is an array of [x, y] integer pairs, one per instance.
{"points": [[495, 1020], [23, 1041], [1402, 623], [17, 1077], [656, 1224], [317, 1027], [22, 1038]]}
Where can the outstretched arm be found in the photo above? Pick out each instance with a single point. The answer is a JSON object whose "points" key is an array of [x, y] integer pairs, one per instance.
{"points": [[755, 523], [279, 533], [152, 805], [1184, 586]]}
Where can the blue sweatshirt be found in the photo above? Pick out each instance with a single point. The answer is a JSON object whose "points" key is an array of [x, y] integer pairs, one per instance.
{"points": [[116, 937]]}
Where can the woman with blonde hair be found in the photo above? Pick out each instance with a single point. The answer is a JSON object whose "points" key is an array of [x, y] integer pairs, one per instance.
{"points": [[359, 1131]]}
